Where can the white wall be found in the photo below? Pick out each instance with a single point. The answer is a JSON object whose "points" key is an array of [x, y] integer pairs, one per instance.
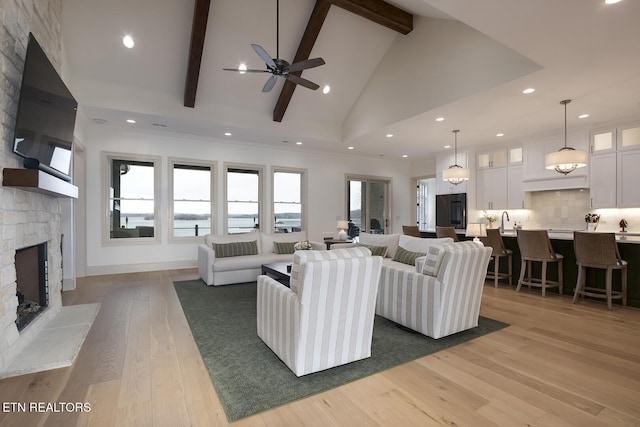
{"points": [[326, 190]]}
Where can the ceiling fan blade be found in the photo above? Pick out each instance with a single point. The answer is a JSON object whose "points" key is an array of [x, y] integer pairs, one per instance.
{"points": [[264, 55], [304, 65], [302, 82], [237, 70], [269, 84]]}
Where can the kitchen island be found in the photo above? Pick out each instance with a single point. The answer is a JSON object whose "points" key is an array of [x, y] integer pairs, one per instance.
{"points": [[562, 242]]}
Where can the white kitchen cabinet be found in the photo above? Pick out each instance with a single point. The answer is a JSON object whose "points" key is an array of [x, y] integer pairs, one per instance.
{"points": [[602, 177], [491, 188], [628, 193], [515, 193], [628, 137], [495, 158]]}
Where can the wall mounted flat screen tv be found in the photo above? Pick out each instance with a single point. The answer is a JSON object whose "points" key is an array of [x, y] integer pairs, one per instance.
{"points": [[46, 116]]}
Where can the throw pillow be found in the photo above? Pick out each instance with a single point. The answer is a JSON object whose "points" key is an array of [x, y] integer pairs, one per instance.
{"points": [[224, 250], [435, 255], [375, 250], [284, 247], [407, 257]]}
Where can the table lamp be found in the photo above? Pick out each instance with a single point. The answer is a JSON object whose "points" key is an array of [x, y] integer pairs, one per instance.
{"points": [[475, 230], [342, 226]]}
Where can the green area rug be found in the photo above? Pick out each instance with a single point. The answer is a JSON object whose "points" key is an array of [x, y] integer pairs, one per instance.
{"points": [[250, 378]]}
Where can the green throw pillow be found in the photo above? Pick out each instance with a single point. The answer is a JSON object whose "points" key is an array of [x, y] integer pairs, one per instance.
{"points": [[284, 247], [224, 250], [407, 257], [375, 250]]}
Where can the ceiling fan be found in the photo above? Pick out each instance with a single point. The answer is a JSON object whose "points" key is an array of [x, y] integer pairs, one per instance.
{"points": [[279, 67]]}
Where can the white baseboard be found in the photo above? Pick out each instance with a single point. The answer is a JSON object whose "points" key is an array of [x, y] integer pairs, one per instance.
{"points": [[101, 270], [68, 284]]}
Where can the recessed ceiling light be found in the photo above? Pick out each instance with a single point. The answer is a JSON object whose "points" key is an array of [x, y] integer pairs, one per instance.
{"points": [[447, 146], [404, 156], [583, 116], [299, 143], [350, 148], [227, 134], [500, 135], [242, 68], [612, 1], [326, 89], [130, 121], [528, 90], [440, 119], [128, 42], [389, 135]]}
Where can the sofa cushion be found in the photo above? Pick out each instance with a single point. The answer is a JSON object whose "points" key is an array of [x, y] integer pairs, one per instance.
{"points": [[388, 240], [406, 256], [284, 247], [232, 249], [210, 239], [375, 250], [248, 262], [419, 244], [268, 240]]}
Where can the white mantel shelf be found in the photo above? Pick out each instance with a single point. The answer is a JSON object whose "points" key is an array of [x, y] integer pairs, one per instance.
{"points": [[38, 181]]}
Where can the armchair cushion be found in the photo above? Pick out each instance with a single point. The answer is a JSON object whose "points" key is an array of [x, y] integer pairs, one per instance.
{"points": [[388, 240], [375, 250], [284, 247]]}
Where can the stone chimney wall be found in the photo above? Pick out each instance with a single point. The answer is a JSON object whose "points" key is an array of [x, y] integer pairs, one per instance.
{"points": [[26, 218]]}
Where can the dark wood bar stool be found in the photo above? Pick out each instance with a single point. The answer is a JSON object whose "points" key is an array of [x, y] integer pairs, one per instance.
{"points": [[535, 246], [447, 232], [411, 230], [495, 242], [598, 250]]}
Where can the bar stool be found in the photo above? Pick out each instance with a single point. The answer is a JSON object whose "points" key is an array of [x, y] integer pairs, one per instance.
{"points": [[535, 246], [411, 230], [447, 232], [495, 242], [599, 250]]}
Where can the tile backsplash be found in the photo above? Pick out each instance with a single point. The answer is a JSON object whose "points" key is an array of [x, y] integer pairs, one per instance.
{"points": [[565, 210]]}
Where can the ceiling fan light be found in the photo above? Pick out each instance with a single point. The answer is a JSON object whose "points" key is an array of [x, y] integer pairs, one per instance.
{"points": [[456, 174], [566, 160]]}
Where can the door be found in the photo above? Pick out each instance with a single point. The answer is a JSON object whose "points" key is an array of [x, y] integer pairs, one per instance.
{"points": [[368, 204]]}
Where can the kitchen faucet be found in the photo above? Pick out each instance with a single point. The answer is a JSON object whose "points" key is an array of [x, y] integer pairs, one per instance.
{"points": [[502, 220]]}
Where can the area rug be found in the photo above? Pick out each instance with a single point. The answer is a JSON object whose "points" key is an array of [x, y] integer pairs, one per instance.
{"points": [[250, 378]]}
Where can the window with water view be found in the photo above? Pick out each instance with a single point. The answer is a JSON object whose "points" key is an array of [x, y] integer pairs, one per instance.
{"points": [[191, 200], [243, 199]]}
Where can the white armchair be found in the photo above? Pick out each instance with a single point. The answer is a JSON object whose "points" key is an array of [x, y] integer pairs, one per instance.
{"points": [[325, 318]]}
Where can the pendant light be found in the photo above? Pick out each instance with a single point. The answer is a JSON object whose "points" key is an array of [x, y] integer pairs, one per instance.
{"points": [[456, 173], [567, 159]]}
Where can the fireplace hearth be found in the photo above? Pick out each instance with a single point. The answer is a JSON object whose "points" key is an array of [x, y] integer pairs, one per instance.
{"points": [[32, 284]]}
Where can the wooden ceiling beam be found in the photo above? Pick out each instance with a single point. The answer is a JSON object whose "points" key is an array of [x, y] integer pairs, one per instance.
{"points": [[198, 32], [377, 11]]}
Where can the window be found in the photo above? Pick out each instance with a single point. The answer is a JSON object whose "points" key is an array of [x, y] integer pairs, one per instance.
{"points": [[191, 211], [132, 207], [367, 201], [425, 203], [243, 189], [288, 207]]}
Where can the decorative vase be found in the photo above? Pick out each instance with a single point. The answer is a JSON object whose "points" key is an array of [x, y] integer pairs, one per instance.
{"points": [[342, 235]]}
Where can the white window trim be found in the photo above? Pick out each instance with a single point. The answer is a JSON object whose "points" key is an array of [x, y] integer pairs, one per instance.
{"points": [[303, 196], [106, 166], [261, 185], [182, 161]]}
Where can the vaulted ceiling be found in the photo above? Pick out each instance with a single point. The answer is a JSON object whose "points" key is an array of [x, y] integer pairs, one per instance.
{"points": [[463, 60]]}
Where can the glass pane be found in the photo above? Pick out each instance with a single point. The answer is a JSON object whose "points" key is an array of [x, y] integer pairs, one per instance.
{"points": [[191, 184], [483, 160], [243, 186], [191, 218], [515, 155], [357, 203], [631, 137], [136, 182], [287, 187], [287, 217], [242, 217], [134, 218], [603, 141], [377, 207]]}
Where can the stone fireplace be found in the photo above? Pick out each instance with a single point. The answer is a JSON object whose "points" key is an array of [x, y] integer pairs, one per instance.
{"points": [[32, 283]]}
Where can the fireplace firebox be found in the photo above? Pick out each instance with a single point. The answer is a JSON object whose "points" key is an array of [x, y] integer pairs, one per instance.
{"points": [[32, 284]]}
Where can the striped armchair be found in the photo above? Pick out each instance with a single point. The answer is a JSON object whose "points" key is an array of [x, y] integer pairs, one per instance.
{"points": [[442, 299], [325, 318]]}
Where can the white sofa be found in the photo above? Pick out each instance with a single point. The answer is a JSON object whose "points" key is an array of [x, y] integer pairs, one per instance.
{"points": [[326, 317], [218, 271]]}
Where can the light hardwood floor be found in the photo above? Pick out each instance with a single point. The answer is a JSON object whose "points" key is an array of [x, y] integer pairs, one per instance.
{"points": [[558, 364]]}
